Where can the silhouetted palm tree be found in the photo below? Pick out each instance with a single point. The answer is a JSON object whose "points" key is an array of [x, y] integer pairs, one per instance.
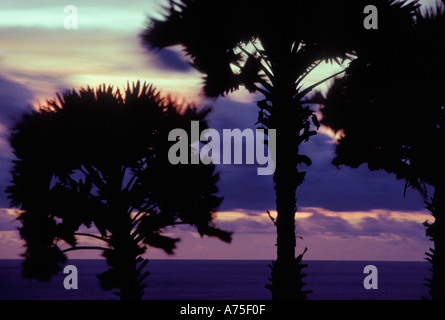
{"points": [[269, 47], [390, 108], [98, 158]]}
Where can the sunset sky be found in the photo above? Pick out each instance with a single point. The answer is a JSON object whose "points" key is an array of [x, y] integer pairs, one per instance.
{"points": [[343, 214]]}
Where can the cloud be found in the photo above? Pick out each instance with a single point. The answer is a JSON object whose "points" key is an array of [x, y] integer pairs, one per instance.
{"points": [[104, 49], [347, 189], [11, 246], [329, 235], [171, 60], [14, 100], [326, 186], [367, 235], [228, 114], [8, 219], [240, 185], [49, 14], [315, 221]]}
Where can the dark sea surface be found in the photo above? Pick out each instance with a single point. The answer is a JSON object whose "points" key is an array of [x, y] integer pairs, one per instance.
{"points": [[225, 280]]}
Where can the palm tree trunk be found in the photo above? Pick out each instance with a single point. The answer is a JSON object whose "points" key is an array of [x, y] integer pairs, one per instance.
{"points": [[437, 233], [286, 270], [439, 247], [126, 255], [288, 118], [125, 248], [284, 276]]}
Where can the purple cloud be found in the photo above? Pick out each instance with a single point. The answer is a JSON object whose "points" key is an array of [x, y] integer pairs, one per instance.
{"points": [[171, 60], [317, 223], [14, 100], [325, 186]]}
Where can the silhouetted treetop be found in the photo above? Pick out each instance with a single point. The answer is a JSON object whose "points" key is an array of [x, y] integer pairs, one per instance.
{"points": [[390, 104], [99, 157], [212, 34], [390, 108]]}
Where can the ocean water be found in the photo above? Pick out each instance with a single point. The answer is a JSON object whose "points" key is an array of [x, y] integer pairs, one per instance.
{"points": [[225, 280]]}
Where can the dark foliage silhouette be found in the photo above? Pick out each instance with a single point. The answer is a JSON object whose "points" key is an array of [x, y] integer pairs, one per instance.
{"points": [[390, 109], [97, 158], [269, 47]]}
